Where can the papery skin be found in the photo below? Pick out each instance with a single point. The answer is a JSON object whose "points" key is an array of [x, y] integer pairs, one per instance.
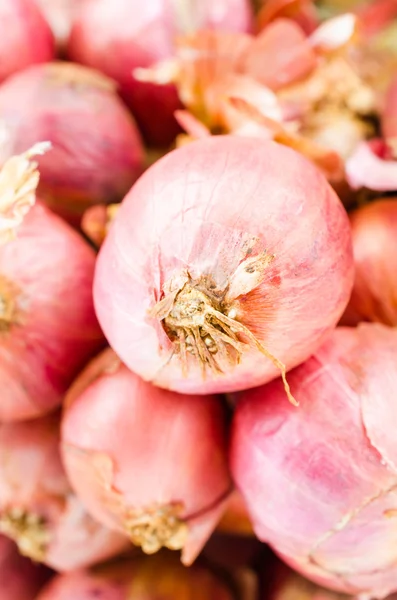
{"points": [[26, 37], [154, 578], [330, 509], [96, 151], [173, 446], [374, 233], [20, 578], [33, 479], [195, 209], [54, 330], [118, 36]]}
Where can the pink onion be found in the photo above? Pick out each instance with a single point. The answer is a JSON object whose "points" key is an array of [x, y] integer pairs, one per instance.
{"points": [[117, 36], [26, 38], [172, 446], [160, 577], [320, 480], [374, 296], [97, 152], [37, 507], [245, 231], [48, 328], [20, 578]]}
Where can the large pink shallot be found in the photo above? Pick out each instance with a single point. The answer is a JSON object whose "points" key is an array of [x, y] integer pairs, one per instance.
{"points": [[48, 328], [159, 578], [145, 461], [118, 36], [38, 509], [227, 263], [97, 151], [320, 480], [26, 37]]}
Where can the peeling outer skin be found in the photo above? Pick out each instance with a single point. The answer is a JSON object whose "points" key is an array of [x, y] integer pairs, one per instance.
{"points": [[305, 287], [33, 482], [366, 169], [102, 396], [331, 510], [120, 36]]}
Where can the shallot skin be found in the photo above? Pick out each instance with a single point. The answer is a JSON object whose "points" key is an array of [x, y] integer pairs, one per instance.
{"points": [[118, 430], [20, 579], [26, 37], [48, 327], [118, 36], [202, 213], [97, 152], [320, 480], [374, 233], [33, 485], [157, 578]]}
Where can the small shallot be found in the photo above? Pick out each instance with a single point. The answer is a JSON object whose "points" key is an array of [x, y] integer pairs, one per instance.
{"points": [[38, 510], [20, 579], [145, 461], [374, 232], [97, 151], [48, 328], [26, 37]]}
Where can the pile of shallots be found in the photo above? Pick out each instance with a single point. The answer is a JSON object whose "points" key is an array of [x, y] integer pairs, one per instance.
{"points": [[198, 299]]}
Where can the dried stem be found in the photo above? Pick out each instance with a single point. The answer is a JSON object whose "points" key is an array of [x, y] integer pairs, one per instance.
{"points": [[28, 530], [19, 179]]}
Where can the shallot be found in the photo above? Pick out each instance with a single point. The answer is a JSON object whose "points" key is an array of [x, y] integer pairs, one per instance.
{"points": [[117, 36], [26, 37], [320, 481], [38, 510], [97, 152], [374, 232], [160, 577], [145, 461], [20, 579], [227, 263], [48, 328]]}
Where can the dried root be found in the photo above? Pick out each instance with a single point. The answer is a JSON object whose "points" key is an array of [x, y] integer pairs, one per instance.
{"points": [[28, 530], [156, 528], [203, 323]]}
